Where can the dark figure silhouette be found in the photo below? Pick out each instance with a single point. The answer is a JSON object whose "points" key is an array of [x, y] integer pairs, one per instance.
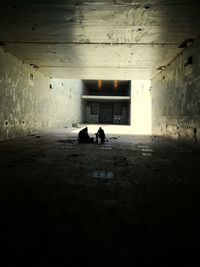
{"points": [[83, 136], [100, 134]]}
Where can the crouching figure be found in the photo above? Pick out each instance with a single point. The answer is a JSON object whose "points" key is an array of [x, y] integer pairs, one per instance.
{"points": [[100, 134], [83, 136]]}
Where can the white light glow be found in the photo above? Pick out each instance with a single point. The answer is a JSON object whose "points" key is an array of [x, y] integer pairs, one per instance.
{"points": [[140, 113], [141, 107]]}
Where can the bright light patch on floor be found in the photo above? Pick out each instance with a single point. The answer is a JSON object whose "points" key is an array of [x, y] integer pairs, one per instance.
{"points": [[108, 129]]}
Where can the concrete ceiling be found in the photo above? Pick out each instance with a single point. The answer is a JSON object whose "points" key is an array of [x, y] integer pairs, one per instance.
{"points": [[105, 39]]}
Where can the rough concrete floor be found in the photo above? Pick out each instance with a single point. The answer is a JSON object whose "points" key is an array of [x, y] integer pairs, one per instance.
{"points": [[55, 213]]}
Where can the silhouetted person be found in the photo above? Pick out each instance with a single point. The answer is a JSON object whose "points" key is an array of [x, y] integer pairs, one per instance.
{"points": [[83, 136], [100, 134]]}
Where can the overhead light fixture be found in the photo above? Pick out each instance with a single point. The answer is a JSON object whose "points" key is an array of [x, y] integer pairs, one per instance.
{"points": [[99, 84], [115, 85]]}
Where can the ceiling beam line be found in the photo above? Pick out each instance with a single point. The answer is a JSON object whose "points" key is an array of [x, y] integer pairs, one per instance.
{"points": [[95, 67], [89, 43], [137, 4]]}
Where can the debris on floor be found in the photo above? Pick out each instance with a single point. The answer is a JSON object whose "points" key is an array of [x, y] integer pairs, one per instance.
{"points": [[68, 141]]}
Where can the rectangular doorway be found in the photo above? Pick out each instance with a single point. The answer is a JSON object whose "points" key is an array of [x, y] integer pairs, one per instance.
{"points": [[106, 113]]}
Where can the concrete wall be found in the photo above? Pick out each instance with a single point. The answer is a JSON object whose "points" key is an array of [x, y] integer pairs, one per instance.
{"points": [[29, 101], [67, 94], [176, 97]]}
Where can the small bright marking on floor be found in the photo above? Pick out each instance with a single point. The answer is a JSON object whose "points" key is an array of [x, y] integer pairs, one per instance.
{"points": [[146, 154], [102, 174], [147, 150]]}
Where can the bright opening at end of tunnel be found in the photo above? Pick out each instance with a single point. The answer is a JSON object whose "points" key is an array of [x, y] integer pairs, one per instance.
{"points": [[137, 106]]}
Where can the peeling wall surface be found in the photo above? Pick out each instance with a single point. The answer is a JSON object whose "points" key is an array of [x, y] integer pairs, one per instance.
{"points": [[176, 97], [29, 101]]}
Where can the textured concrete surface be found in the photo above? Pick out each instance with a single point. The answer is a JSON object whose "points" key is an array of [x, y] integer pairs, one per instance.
{"points": [[98, 39], [176, 97], [30, 101], [55, 213]]}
